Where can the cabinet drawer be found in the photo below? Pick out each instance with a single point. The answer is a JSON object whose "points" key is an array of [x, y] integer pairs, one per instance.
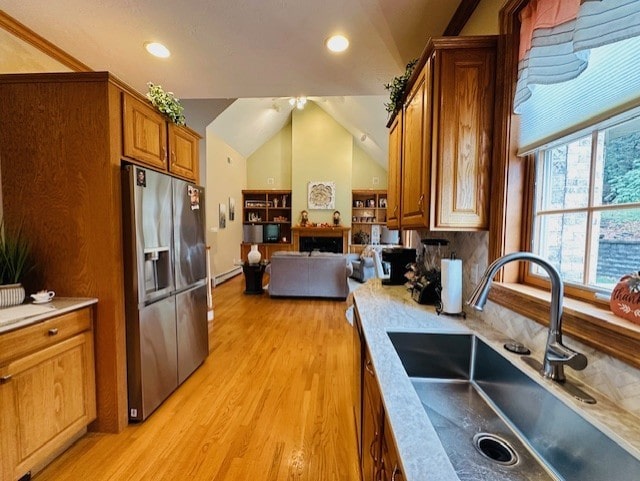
{"points": [[43, 334]]}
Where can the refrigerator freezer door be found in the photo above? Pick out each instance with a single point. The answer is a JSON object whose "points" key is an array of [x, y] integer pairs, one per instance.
{"points": [[193, 336], [188, 234], [149, 233], [152, 357]]}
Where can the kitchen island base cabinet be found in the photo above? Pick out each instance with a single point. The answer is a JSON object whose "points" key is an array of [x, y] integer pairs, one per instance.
{"points": [[47, 399], [379, 460]]}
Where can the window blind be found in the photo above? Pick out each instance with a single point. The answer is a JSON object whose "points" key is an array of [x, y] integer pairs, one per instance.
{"points": [[608, 86]]}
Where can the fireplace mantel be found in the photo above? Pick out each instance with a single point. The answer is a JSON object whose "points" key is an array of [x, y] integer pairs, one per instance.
{"points": [[343, 232]]}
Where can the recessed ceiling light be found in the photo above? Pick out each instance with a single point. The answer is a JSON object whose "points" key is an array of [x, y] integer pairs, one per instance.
{"points": [[337, 43], [157, 49]]}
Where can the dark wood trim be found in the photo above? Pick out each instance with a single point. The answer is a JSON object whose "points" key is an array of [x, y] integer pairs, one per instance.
{"points": [[508, 171], [593, 326], [23, 32], [460, 17]]}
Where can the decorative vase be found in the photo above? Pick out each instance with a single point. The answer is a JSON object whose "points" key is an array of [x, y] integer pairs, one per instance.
{"points": [[11, 295], [625, 303], [254, 255]]}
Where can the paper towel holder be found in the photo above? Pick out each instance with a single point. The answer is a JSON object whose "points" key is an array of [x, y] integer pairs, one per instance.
{"points": [[438, 304]]}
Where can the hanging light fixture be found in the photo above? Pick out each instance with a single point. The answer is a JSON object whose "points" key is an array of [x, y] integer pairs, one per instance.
{"points": [[298, 102]]}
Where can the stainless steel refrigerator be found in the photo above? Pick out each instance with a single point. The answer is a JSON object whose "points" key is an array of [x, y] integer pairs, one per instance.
{"points": [[165, 285]]}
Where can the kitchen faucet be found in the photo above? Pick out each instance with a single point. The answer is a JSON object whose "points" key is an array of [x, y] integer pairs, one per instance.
{"points": [[556, 354]]}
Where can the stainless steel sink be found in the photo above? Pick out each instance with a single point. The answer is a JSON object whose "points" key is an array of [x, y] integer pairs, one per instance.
{"points": [[496, 423]]}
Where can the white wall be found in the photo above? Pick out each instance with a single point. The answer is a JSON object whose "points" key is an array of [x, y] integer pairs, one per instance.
{"points": [[226, 177]]}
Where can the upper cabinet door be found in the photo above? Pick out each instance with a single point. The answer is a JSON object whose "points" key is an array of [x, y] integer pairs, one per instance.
{"points": [[463, 119], [183, 152], [145, 133], [395, 180], [416, 150]]}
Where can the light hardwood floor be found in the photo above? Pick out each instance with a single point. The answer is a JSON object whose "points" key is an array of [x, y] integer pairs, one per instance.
{"points": [[271, 402]]}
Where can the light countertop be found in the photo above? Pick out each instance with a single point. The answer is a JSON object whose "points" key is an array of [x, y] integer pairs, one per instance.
{"points": [[390, 308], [15, 317]]}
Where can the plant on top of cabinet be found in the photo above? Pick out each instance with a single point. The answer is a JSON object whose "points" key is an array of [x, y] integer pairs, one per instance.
{"points": [[397, 88], [166, 103]]}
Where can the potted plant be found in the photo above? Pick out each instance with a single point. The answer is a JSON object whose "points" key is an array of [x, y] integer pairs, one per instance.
{"points": [[14, 265], [166, 103], [397, 87]]}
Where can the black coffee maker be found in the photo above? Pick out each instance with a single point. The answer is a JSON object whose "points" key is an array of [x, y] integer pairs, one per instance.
{"points": [[398, 258]]}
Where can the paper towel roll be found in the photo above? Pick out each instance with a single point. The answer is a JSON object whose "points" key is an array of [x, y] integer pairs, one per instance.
{"points": [[451, 278]]}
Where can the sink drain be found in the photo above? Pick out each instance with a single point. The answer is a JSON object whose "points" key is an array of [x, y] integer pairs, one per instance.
{"points": [[495, 448]]}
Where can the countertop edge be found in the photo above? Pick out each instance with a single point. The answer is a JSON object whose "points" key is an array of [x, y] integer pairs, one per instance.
{"points": [[385, 309], [59, 306]]}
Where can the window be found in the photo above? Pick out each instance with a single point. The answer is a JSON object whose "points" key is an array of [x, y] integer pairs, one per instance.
{"points": [[511, 193], [586, 217]]}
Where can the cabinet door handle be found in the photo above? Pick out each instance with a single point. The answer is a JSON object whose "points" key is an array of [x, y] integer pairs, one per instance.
{"points": [[372, 446], [396, 472], [380, 473], [5, 379], [173, 158], [420, 202], [163, 153], [395, 209], [367, 366], [53, 331]]}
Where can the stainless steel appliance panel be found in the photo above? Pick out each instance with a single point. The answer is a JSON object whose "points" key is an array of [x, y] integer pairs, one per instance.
{"points": [[192, 330], [189, 235], [152, 357], [151, 196]]}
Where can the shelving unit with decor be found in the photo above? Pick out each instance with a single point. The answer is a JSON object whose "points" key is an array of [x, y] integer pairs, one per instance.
{"points": [[266, 221], [368, 212]]}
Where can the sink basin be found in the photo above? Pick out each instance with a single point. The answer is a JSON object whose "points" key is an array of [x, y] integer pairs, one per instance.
{"points": [[496, 423]]}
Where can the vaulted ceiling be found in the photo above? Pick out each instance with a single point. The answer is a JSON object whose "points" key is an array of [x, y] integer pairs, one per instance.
{"points": [[259, 51]]}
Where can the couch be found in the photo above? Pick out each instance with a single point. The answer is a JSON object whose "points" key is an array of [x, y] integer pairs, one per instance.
{"points": [[304, 274], [369, 264]]}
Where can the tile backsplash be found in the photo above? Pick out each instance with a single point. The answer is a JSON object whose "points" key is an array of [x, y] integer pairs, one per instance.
{"points": [[612, 378]]}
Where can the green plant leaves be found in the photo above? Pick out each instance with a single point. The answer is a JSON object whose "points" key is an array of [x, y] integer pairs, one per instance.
{"points": [[166, 103], [14, 257], [397, 87]]}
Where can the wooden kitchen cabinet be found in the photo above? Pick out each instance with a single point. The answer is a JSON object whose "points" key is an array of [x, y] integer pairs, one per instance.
{"points": [[153, 140], [379, 460], [391, 467], [183, 152], [61, 147], [447, 135], [145, 133], [416, 141], [372, 419], [464, 86], [47, 390]]}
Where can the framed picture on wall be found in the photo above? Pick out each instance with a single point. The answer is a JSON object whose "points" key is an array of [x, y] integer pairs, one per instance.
{"points": [[222, 216], [321, 195], [232, 208]]}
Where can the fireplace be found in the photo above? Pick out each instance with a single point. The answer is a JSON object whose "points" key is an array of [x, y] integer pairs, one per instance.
{"points": [[326, 239], [323, 244]]}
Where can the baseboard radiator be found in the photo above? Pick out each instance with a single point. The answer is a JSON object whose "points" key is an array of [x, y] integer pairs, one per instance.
{"points": [[225, 276]]}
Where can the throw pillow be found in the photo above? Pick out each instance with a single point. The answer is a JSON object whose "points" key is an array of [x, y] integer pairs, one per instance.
{"points": [[366, 252]]}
